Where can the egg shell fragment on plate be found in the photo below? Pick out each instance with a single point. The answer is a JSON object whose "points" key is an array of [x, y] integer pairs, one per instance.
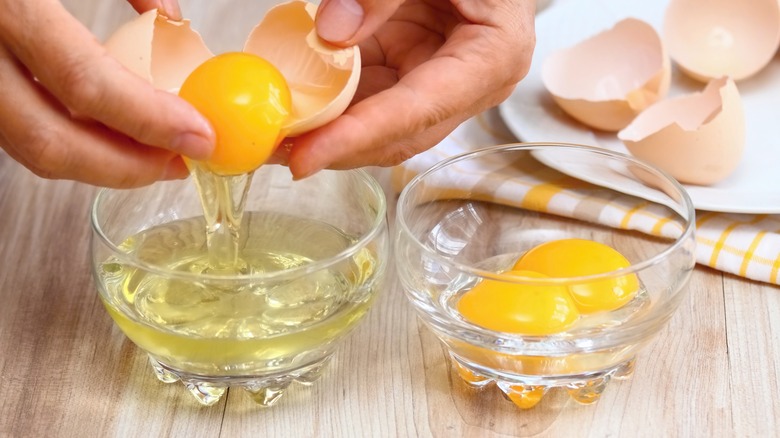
{"points": [[709, 39], [606, 80], [323, 78], [162, 51], [697, 138]]}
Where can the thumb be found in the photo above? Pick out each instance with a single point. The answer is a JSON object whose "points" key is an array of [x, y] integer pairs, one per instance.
{"points": [[347, 22], [169, 8]]}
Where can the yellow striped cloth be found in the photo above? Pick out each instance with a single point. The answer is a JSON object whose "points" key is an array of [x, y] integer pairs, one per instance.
{"points": [[747, 245]]}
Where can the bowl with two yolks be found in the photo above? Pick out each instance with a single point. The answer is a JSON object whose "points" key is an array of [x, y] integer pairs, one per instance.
{"points": [[537, 278]]}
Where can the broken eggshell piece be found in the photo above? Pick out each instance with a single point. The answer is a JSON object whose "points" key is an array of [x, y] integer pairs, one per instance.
{"points": [[697, 138], [162, 51], [713, 38], [609, 78], [322, 78]]}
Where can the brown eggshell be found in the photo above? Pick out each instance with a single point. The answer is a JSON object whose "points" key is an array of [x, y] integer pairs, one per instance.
{"points": [[159, 50], [322, 78], [713, 38], [697, 138], [607, 79]]}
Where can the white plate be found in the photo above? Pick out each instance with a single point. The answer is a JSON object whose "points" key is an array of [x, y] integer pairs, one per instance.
{"points": [[531, 114]]}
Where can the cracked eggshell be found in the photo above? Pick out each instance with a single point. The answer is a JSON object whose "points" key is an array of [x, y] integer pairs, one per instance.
{"points": [[697, 138], [713, 38], [609, 78], [162, 51], [323, 78]]}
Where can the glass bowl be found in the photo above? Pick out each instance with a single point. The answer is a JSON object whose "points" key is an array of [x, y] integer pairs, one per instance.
{"points": [[470, 218], [314, 253]]}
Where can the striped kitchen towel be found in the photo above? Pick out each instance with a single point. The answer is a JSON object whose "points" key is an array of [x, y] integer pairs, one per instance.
{"points": [[747, 245]]}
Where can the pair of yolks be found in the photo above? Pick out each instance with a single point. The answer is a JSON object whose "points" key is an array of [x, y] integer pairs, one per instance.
{"points": [[542, 308], [247, 100]]}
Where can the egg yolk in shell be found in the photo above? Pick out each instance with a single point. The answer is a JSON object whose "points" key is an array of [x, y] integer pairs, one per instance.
{"points": [[538, 308], [247, 101]]}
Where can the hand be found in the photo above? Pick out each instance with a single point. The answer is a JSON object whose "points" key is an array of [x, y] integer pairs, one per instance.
{"points": [[67, 110], [428, 65]]}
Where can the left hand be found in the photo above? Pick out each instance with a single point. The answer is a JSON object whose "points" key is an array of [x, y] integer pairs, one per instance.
{"points": [[70, 111]]}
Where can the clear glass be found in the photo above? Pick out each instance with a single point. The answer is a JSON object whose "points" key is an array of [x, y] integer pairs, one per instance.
{"points": [[313, 255], [452, 234]]}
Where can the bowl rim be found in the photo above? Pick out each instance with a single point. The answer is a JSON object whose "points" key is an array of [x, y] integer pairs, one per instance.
{"points": [[378, 226], [688, 233]]}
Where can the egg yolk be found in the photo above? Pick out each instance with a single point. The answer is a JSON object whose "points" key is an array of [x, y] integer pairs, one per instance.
{"points": [[580, 257], [519, 308], [247, 101]]}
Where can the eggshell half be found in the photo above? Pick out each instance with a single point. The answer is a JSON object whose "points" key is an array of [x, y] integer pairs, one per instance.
{"points": [[607, 79], [713, 38], [323, 78], [159, 50], [697, 138]]}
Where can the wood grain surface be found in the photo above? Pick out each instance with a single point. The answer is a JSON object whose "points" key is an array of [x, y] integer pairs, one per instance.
{"points": [[67, 371]]}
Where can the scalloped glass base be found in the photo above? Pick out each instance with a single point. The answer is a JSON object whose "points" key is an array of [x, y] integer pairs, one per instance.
{"points": [[264, 390], [527, 391]]}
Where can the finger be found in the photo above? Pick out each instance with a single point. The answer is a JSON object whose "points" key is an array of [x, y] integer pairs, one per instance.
{"points": [[307, 152], [40, 134], [389, 154], [347, 22], [75, 68], [169, 8]]}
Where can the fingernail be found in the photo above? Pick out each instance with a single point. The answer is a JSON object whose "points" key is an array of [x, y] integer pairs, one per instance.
{"points": [[175, 169], [339, 20], [308, 173], [192, 145], [282, 153], [171, 9]]}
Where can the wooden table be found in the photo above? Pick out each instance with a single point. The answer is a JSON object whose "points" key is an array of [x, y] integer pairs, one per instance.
{"points": [[67, 371]]}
